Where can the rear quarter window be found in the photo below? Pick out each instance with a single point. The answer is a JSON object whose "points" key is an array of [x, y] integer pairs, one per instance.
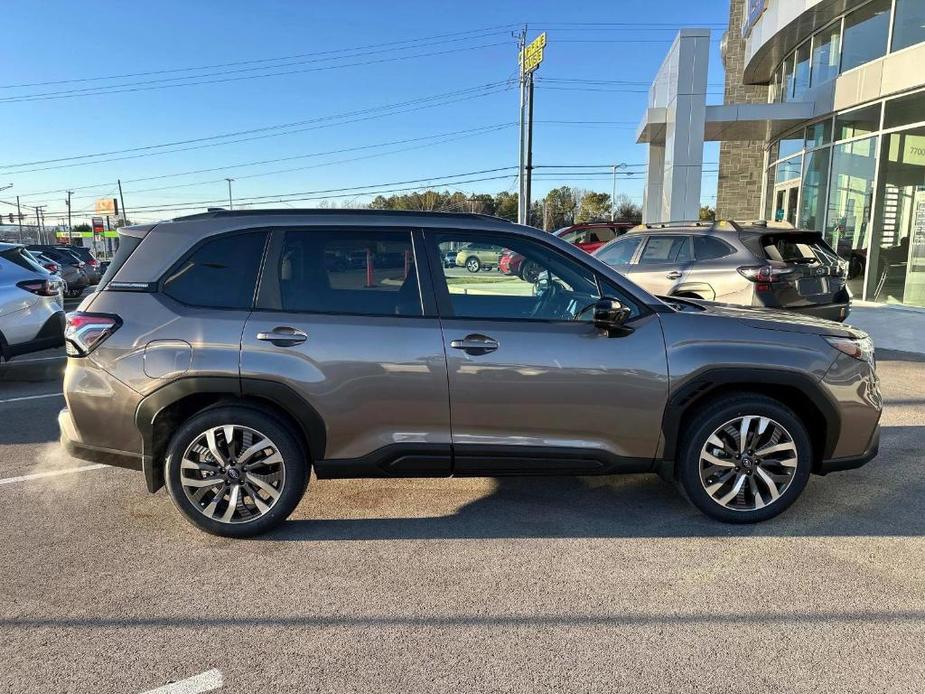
{"points": [[221, 273]]}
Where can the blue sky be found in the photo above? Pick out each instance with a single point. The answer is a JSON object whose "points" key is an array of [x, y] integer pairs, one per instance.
{"points": [[468, 132]]}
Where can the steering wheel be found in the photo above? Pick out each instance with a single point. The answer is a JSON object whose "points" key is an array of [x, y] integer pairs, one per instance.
{"points": [[547, 298]]}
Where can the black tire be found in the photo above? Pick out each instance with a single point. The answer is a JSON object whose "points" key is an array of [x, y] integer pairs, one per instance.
{"points": [[710, 418], [473, 264], [296, 467]]}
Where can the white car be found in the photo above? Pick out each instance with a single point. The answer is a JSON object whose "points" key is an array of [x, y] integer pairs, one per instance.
{"points": [[31, 304]]}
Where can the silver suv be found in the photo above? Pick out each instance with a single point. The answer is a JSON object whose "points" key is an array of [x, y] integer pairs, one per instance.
{"points": [[229, 354], [771, 265]]}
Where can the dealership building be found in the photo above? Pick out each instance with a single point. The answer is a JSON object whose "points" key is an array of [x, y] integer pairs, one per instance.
{"points": [[822, 126]]}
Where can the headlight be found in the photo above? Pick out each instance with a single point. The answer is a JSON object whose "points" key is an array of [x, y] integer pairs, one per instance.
{"points": [[861, 349]]}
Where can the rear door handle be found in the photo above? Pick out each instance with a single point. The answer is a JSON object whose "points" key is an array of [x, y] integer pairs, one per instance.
{"points": [[673, 275], [283, 336], [475, 344]]}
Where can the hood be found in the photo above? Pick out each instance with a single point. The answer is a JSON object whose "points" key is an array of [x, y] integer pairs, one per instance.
{"points": [[773, 319]]}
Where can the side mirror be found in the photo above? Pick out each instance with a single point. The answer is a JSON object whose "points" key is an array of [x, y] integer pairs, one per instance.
{"points": [[610, 314]]}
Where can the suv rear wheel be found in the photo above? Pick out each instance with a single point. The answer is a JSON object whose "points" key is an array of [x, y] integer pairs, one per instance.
{"points": [[473, 264], [234, 471], [744, 459]]}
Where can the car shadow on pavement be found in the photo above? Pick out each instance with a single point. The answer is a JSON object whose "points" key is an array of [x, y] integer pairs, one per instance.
{"points": [[883, 498]]}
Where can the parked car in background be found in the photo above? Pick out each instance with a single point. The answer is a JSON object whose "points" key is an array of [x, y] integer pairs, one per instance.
{"points": [[478, 256], [69, 275], [91, 264], [406, 371], [770, 265], [449, 258], [592, 235], [31, 304], [78, 280]]}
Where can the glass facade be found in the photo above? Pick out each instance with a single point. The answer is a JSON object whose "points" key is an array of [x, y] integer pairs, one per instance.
{"points": [[852, 40], [859, 177]]}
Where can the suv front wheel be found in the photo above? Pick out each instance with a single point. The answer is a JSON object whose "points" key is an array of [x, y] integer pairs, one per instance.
{"points": [[744, 459], [234, 471]]}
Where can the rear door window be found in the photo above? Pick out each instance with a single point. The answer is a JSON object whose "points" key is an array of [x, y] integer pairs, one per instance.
{"points": [[221, 273], [619, 252], [365, 273], [666, 249], [708, 248]]}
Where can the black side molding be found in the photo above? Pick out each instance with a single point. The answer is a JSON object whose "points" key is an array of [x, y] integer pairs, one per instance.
{"points": [[478, 460]]}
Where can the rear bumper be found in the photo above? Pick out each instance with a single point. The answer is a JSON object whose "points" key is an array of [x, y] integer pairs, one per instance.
{"points": [[837, 312], [50, 335], [853, 462], [95, 454]]}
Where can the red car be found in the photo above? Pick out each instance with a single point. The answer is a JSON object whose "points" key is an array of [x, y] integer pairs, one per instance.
{"points": [[588, 237], [591, 236]]}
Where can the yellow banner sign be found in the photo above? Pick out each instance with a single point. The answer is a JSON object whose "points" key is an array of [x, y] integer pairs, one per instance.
{"points": [[532, 55]]}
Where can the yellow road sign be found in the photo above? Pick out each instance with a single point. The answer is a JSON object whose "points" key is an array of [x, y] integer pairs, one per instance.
{"points": [[532, 55]]}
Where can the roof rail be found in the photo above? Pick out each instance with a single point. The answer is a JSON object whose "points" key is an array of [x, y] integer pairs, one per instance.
{"points": [[215, 212], [717, 225]]}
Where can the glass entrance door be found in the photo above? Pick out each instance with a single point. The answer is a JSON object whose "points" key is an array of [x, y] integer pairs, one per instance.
{"points": [[785, 201]]}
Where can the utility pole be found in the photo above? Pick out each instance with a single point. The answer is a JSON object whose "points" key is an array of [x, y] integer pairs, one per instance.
{"points": [[521, 45], [122, 201], [19, 217], [230, 204], [38, 222], [70, 236]]}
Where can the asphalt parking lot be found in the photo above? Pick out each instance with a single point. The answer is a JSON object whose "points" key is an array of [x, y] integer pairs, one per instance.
{"points": [[508, 585]]}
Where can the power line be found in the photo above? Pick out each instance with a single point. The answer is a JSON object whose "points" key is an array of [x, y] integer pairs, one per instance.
{"points": [[484, 31], [376, 111], [158, 84]]}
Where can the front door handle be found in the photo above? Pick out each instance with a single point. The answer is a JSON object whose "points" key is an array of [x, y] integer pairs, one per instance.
{"points": [[283, 336], [475, 344], [673, 275]]}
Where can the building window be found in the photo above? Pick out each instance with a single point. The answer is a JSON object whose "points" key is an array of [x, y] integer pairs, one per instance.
{"points": [[866, 32], [790, 146], [905, 110], [813, 189], [850, 194], [801, 70], [787, 81], [818, 134], [908, 24], [826, 54], [863, 121], [897, 257]]}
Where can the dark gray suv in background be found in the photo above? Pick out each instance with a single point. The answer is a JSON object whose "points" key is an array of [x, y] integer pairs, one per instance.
{"points": [[771, 265], [229, 354]]}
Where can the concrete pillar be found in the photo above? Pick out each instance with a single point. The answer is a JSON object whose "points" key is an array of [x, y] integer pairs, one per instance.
{"points": [[681, 89]]}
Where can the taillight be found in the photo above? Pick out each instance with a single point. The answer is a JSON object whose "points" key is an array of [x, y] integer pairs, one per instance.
{"points": [[85, 332], [41, 287], [94, 262], [766, 273]]}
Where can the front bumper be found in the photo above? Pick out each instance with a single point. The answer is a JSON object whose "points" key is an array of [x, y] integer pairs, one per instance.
{"points": [[71, 443], [853, 462]]}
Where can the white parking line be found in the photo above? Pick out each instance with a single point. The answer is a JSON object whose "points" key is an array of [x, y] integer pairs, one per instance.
{"points": [[51, 473], [205, 682], [32, 397]]}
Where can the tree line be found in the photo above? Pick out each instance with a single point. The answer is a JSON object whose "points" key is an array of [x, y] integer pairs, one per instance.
{"points": [[560, 207]]}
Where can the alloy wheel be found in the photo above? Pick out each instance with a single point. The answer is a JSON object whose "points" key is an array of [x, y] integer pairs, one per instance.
{"points": [[232, 473], [473, 265], [748, 463]]}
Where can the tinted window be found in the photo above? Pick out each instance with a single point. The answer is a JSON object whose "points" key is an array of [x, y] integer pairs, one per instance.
{"points": [[370, 273], [909, 24], [866, 31], [666, 249], [542, 285], [708, 248], [19, 257], [619, 252], [221, 273]]}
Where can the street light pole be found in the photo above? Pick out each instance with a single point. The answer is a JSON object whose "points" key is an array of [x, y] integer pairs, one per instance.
{"points": [[613, 194], [230, 203]]}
